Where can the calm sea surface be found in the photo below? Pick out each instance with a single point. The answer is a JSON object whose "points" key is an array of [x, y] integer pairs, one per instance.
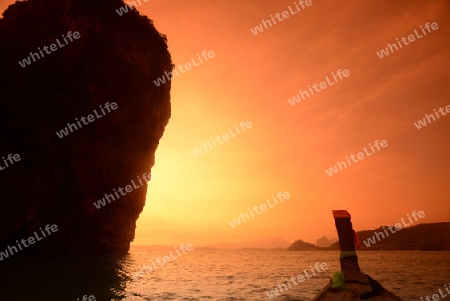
{"points": [[249, 275], [212, 275]]}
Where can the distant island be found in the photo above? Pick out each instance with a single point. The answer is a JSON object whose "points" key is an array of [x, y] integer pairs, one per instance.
{"points": [[325, 242], [423, 237]]}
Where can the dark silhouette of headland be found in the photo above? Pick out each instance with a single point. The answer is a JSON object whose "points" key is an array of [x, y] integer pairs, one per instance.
{"points": [[424, 237], [57, 179], [75, 65]]}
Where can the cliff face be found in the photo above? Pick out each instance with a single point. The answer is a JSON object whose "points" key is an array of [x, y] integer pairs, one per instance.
{"points": [[57, 180]]}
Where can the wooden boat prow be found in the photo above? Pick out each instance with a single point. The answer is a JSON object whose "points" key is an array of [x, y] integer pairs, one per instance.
{"points": [[352, 292], [358, 286]]}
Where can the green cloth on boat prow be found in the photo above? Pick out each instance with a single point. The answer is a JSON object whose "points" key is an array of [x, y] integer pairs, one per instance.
{"points": [[338, 282], [345, 254]]}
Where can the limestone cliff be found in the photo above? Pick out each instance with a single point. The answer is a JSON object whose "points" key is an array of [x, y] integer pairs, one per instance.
{"points": [[57, 180]]}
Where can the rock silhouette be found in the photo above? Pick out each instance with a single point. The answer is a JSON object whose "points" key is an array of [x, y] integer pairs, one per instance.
{"points": [[324, 242], [57, 179]]}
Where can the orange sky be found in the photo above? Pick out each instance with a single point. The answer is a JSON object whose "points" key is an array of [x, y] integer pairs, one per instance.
{"points": [[192, 199]]}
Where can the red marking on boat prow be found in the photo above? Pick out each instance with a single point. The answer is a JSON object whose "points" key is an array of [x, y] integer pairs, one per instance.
{"points": [[341, 214]]}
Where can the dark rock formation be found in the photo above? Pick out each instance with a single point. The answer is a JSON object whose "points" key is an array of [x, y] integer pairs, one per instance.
{"points": [[324, 242], [300, 245], [57, 180], [424, 237]]}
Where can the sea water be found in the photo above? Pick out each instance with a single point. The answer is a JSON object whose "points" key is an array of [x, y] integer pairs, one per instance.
{"points": [[203, 274], [250, 275]]}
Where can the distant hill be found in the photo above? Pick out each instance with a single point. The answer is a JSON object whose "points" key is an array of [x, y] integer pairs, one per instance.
{"points": [[424, 237], [300, 245], [325, 242], [271, 243]]}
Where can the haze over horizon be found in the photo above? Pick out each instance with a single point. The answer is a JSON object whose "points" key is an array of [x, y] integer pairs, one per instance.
{"points": [[276, 241]]}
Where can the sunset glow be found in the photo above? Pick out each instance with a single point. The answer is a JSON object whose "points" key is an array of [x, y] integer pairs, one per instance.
{"points": [[289, 147]]}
